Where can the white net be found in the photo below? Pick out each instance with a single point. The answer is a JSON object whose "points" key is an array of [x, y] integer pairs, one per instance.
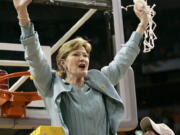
{"points": [[149, 35]]}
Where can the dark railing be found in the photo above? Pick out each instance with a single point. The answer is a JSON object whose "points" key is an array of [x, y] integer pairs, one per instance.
{"points": [[96, 4]]}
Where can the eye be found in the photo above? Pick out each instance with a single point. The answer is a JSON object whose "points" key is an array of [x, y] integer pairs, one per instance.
{"points": [[76, 54], [85, 55]]}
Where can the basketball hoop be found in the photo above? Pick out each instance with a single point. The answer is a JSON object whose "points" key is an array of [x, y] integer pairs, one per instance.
{"points": [[13, 104]]}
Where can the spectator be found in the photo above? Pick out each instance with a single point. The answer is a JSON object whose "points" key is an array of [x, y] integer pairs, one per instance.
{"points": [[149, 127]]}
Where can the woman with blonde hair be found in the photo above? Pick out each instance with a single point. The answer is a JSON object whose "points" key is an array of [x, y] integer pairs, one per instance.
{"points": [[82, 102]]}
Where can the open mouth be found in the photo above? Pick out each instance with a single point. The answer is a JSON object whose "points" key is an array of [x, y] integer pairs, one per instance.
{"points": [[82, 66]]}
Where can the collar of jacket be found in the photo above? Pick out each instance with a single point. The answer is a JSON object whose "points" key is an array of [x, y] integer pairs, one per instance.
{"points": [[100, 82], [94, 79]]}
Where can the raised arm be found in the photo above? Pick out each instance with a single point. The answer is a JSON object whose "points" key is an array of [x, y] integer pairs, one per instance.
{"points": [[39, 68], [127, 54]]}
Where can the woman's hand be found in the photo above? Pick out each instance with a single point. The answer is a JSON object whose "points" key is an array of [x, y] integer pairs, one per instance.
{"points": [[141, 11], [21, 8], [21, 4]]}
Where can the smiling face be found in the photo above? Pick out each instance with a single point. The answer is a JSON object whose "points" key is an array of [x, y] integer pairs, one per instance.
{"points": [[73, 58], [76, 64]]}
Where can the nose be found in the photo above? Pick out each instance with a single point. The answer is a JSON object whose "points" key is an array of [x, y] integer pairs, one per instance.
{"points": [[81, 57]]}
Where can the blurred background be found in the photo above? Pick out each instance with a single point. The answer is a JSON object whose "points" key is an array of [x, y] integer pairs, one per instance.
{"points": [[157, 74]]}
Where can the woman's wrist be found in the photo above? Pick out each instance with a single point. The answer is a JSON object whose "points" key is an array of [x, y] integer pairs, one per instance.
{"points": [[23, 16], [27, 30], [23, 21], [142, 27]]}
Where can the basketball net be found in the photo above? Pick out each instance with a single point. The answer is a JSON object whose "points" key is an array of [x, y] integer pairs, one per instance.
{"points": [[149, 35]]}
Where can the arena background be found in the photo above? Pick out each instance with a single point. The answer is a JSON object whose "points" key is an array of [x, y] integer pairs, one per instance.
{"points": [[157, 74]]}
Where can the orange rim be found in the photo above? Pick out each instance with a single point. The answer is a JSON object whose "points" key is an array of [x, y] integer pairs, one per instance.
{"points": [[12, 75]]}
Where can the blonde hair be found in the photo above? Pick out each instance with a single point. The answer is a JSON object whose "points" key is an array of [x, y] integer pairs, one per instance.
{"points": [[68, 47]]}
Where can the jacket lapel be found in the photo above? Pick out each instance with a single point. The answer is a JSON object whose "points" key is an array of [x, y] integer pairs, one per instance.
{"points": [[59, 87], [101, 83]]}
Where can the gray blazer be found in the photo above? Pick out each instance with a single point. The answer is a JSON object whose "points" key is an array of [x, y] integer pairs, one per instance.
{"points": [[50, 85]]}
